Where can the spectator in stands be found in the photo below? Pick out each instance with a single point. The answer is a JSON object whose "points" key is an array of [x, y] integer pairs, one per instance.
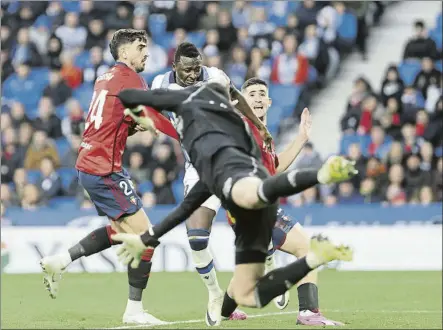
{"points": [[360, 9], [290, 67], [428, 76], [243, 39], [138, 170], [328, 19], [361, 89], [39, 34], [379, 144], [437, 180], [395, 154], [88, 12], [55, 47], [433, 94], [308, 158], [369, 109], [411, 144], [236, 69], [6, 37], [183, 16], [40, 148], [277, 42], [10, 159], [427, 157], [5, 121], [70, 157], [411, 101], [158, 58], [26, 15], [6, 64], [71, 74], [20, 84], [306, 198], [165, 158], [162, 187], [211, 45], [18, 114], [214, 60], [415, 177], [307, 14], [143, 143], [57, 90], [348, 195], [107, 56], [426, 195], [421, 122], [420, 45], [72, 35], [96, 34], [261, 29], [74, 122], [434, 131], [20, 180], [292, 26], [54, 14], [5, 195], [209, 19], [315, 50], [24, 139], [369, 192], [241, 13], [226, 31], [31, 197], [391, 119], [179, 37], [47, 120], [392, 85], [258, 67], [121, 18], [355, 154], [24, 50], [96, 66], [393, 191], [149, 199], [50, 182]]}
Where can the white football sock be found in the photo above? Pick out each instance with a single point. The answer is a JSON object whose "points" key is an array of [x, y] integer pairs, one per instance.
{"points": [[203, 259]]}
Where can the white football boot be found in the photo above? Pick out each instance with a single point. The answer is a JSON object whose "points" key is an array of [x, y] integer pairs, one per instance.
{"points": [[53, 267]]}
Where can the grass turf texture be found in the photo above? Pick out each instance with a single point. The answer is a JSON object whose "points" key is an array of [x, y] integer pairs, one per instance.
{"points": [[363, 300]]}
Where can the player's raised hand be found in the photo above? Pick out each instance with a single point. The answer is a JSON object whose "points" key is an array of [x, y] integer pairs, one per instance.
{"points": [[131, 249], [305, 124]]}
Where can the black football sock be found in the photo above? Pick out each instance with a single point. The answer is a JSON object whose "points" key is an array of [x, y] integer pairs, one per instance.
{"points": [[280, 280], [286, 184], [229, 306], [308, 297], [138, 277], [96, 241]]}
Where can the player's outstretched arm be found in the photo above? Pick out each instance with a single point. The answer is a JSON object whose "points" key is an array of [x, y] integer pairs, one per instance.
{"points": [[159, 99], [134, 245], [287, 156]]}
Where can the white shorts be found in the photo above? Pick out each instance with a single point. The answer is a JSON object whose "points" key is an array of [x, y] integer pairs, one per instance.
{"points": [[190, 179]]}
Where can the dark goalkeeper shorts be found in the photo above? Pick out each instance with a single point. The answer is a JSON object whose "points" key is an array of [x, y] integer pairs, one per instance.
{"points": [[253, 230]]}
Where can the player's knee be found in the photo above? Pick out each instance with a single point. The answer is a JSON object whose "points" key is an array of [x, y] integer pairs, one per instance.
{"points": [[297, 241], [244, 193], [198, 239]]}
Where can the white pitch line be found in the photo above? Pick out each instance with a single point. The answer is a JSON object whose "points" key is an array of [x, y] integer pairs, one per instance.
{"points": [[287, 313]]}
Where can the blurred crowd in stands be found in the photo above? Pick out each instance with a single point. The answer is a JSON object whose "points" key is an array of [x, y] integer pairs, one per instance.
{"points": [[52, 52]]}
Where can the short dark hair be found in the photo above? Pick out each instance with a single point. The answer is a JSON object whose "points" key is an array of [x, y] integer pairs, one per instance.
{"points": [[125, 36], [254, 81], [187, 49], [419, 24]]}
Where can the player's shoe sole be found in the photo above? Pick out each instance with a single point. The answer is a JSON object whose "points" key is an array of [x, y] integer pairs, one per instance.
{"points": [[327, 251], [281, 302], [52, 276]]}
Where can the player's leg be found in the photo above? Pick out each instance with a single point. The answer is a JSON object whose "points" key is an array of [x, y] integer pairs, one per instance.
{"points": [[251, 192]]}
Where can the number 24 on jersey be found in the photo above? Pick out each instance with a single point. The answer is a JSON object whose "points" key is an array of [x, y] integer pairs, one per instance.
{"points": [[95, 113]]}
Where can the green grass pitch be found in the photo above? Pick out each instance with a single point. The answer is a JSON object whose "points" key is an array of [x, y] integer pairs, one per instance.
{"points": [[363, 300]]}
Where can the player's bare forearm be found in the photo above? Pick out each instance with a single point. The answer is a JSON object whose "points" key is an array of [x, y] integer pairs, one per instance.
{"points": [[245, 109], [287, 156], [193, 200], [159, 99]]}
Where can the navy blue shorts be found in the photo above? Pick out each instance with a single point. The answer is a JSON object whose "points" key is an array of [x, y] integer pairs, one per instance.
{"points": [[113, 195]]}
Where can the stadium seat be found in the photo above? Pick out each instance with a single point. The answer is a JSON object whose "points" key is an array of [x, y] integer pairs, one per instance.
{"points": [[197, 38], [67, 175], [284, 95], [62, 145], [177, 189], [71, 6], [408, 70], [33, 176], [144, 187], [437, 35], [63, 202], [274, 115], [165, 40], [82, 59], [312, 74], [157, 25], [347, 30], [61, 111], [84, 94], [439, 65], [439, 22]]}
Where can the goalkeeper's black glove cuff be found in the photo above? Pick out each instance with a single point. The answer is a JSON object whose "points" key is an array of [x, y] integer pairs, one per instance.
{"points": [[149, 239]]}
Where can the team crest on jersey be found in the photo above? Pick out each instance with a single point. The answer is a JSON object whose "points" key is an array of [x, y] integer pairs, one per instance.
{"points": [[133, 200]]}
